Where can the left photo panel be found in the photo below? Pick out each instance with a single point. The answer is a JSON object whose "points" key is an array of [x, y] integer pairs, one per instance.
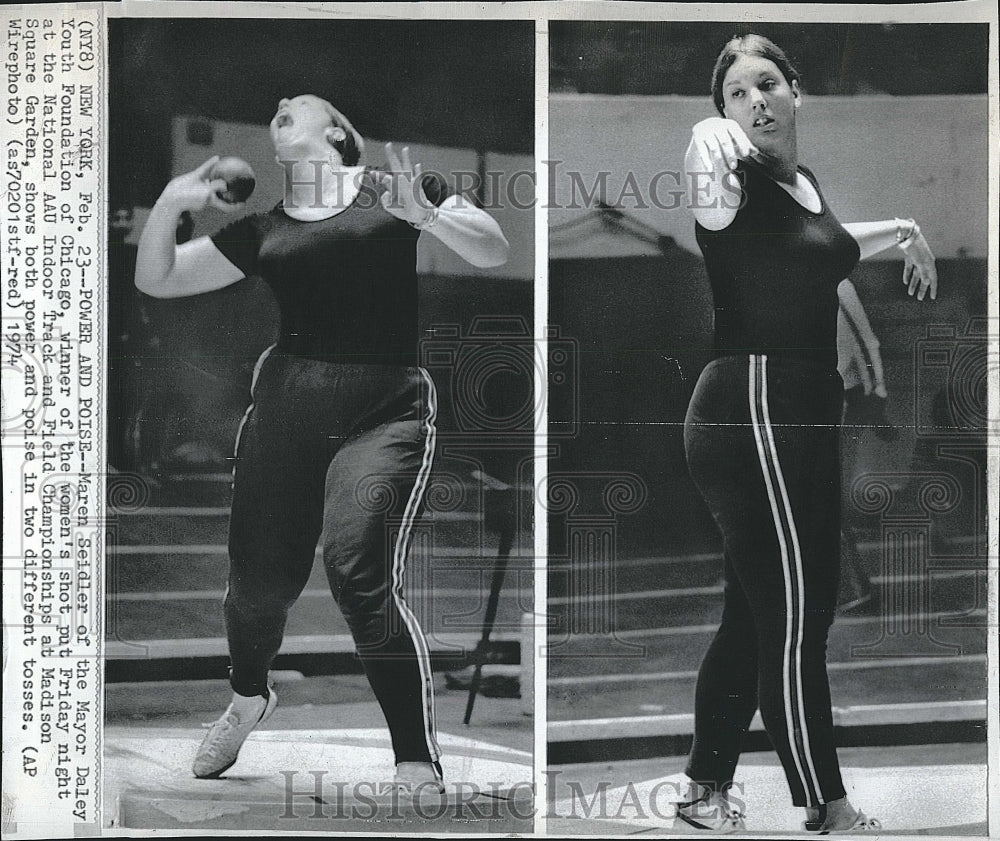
{"points": [[320, 419]]}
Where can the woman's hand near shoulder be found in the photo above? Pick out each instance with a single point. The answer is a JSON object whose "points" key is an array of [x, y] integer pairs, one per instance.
{"points": [[714, 192], [196, 190], [166, 270]]}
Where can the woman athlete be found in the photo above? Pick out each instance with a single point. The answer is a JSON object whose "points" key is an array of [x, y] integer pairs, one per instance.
{"points": [[762, 430], [339, 438]]}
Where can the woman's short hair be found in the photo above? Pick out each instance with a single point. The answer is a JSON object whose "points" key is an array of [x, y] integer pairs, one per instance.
{"points": [[352, 148], [751, 44]]}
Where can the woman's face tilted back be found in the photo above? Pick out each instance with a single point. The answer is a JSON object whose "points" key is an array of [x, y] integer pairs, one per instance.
{"points": [[302, 128], [756, 94]]}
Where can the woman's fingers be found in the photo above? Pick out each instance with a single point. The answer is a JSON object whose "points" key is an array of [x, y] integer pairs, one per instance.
{"points": [[395, 164], [215, 188], [742, 147], [706, 137], [741, 143], [726, 151], [203, 170], [907, 273], [213, 193], [705, 153], [865, 372], [878, 373], [920, 263], [928, 282], [225, 206], [733, 143], [929, 269], [389, 182], [722, 144]]}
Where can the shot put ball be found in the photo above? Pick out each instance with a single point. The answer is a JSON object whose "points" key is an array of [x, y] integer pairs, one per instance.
{"points": [[239, 178]]}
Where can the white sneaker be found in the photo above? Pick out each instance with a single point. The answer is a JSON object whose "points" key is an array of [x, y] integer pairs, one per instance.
{"points": [[712, 813], [226, 736], [862, 823], [417, 779]]}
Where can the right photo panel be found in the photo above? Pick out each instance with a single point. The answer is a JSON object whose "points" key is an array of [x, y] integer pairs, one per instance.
{"points": [[766, 494]]}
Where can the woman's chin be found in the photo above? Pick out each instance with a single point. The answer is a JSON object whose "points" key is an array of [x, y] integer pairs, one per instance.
{"points": [[291, 148]]}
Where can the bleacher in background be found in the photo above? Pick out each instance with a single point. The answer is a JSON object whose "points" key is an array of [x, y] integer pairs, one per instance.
{"points": [[635, 562]]}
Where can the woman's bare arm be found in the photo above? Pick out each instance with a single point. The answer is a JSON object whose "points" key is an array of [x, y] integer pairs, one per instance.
{"points": [[467, 230], [166, 270], [919, 269], [714, 192]]}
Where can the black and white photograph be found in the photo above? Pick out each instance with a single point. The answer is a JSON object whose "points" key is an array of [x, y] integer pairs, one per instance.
{"points": [[320, 422], [501, 419], [768, 499]]}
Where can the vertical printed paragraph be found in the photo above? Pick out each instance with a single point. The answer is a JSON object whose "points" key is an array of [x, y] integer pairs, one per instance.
{"points": [[51, 224]]}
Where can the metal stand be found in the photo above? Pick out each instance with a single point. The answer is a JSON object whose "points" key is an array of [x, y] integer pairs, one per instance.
{"points": [[481, 655]]}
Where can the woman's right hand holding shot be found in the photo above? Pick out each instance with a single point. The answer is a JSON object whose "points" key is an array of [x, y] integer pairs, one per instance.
{"points": [[194, 191], [721, 144], [717, 146], [166, 270]]}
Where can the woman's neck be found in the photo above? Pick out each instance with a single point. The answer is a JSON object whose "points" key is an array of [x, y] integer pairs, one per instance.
{"points": [[783, 165], [319, 190], [781, 170]]}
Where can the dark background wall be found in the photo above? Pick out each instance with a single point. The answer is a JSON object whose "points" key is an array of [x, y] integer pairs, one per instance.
{"points": [[467, 84], [618, 57]]}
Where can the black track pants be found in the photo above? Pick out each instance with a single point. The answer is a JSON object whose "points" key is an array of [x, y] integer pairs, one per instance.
{"points": [[762, 437], [343, 451]]}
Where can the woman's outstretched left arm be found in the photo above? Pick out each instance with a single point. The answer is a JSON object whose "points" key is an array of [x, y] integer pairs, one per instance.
{"points": [[919, 271], [467, 230]]}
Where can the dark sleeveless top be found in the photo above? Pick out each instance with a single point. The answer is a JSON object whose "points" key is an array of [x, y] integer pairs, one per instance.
{"points": [[774, 273], [346, 287]]}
